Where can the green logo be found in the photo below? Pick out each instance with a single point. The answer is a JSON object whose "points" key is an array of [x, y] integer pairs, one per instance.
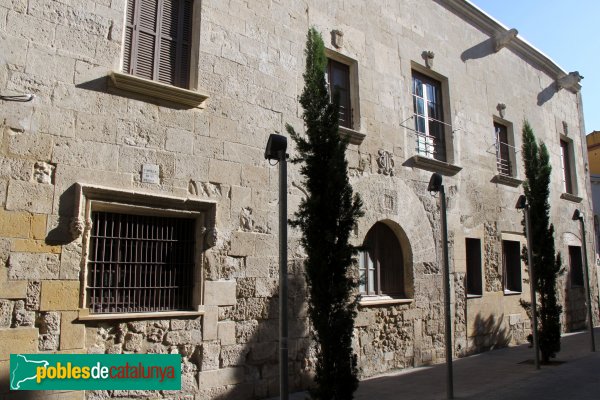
{"points": [[95, 371]]}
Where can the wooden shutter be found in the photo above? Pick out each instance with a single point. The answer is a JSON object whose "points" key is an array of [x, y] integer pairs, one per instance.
{"points": [[157, 40]]}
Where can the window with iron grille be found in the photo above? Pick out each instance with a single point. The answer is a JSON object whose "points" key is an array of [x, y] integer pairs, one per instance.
{"points": [[511, 260], [429, 116], [140, 263], [338, 78], [158, 40], [381, 263], [503, 150]]}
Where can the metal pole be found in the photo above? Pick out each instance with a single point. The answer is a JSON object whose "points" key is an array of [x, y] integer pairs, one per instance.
{"points": [[587, 285], [534, 333], [449, 374], [283, 281]]}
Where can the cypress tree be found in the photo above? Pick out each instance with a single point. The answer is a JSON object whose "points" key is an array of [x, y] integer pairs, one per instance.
{"points": [[546, 263], [326, 218]]}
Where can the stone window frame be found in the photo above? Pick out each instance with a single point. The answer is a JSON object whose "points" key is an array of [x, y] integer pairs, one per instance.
{"points": [[579, 273], [479, 273], [355, 134], [90, 197], [383, 299], [519, 238], [448, 165], [192, 96]]}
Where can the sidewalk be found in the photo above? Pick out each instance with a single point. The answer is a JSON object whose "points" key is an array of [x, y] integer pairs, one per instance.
{"points": [[499, 374]]}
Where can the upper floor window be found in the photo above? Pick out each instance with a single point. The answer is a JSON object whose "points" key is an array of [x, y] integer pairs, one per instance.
{"points": [[565, 163], [504, 150], [338, 79], [381, 263], [429, 116], [158, 35]]}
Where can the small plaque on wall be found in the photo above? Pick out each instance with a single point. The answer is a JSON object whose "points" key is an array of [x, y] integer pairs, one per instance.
{"points": [[151, 173]]}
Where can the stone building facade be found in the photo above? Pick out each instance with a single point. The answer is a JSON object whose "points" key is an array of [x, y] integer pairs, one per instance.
{"points": [[431, 86]]}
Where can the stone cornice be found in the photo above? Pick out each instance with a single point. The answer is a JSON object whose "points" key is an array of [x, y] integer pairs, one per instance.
{"points": [[478, 18]]}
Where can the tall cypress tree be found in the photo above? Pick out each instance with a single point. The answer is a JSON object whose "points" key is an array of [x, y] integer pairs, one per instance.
{"points": [[326, 217], [546, 263]]}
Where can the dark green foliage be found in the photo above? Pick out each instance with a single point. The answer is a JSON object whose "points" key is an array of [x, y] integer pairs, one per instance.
{"points": [[326, 217], [546, 263]]}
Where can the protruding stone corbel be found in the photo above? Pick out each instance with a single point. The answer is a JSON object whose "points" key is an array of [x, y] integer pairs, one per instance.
{"points": [[501, 107], [337, 38], [428, 56], [570, 82], [78, 225], [502, 39]]}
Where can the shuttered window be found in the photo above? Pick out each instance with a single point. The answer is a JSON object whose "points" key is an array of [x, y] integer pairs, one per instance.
{"points": [[381, 264], [158, 40], [338, 77]]}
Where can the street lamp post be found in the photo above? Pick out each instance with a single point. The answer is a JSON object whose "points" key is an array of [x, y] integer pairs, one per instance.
{"points": [[276, 150], [435, 185], [522, 205], [578, 215]]}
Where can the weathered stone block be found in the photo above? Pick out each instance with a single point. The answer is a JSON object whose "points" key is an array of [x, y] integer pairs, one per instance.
{"points": [[28, 196], [33, 246], [209, 322], [219, 293], [38, 226], [23, 339], [180, 141], [266, 287], [22, 317], [33, 266], [59, 295], [242, 244], [32, 301], [6, 312], [178, 337], [224, 172], [226, 332], [14, 224], [220, 377], [72, 334], [133, 342], [259, 267], [209, 356]]}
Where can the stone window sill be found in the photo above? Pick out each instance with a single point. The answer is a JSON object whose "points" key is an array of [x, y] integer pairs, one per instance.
{"points": [[147, 87], [354, 137], [474, 296], [433, 165], [381, 301], [507, 180], [571, 197], [84, 315], [511, 293]]}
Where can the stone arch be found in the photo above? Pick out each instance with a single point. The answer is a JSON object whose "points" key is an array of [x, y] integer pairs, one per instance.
{"points": [[391, 201]]}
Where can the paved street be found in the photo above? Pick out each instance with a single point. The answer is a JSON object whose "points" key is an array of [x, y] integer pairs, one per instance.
{"points": [[505, 374], [500, 374]]}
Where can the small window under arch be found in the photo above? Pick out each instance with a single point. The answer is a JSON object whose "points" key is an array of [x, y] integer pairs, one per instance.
{"points": [[381, 263]]}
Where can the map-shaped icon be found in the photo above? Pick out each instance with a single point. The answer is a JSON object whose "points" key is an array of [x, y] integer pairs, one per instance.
{"points": [[24, 370]]}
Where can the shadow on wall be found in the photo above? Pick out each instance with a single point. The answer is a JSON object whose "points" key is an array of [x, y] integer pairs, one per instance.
{"points": [[259, 356], [480, 50], [489, 334]]}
